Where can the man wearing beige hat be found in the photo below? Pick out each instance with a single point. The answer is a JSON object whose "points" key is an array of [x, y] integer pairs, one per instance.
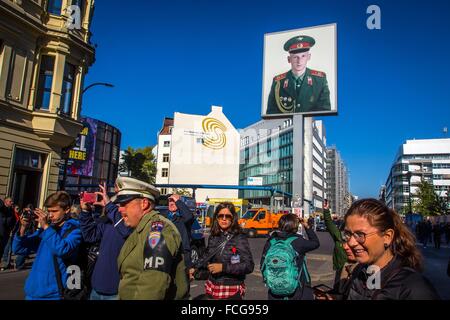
{"points": [[151, 264]]}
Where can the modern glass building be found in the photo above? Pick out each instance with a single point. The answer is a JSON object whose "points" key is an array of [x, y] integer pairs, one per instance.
{"points": [[416, 161], [95, 157], [268, 155], [337, 191]]}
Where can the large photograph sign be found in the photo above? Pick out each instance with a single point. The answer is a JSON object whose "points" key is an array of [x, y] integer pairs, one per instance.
{"points": [[300, 72]]}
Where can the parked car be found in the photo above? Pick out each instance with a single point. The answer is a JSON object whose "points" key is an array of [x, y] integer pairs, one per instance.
{"points": [[321, 226]]}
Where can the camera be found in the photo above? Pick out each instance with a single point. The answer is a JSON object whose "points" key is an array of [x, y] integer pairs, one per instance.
{"points": [[28, 213]]}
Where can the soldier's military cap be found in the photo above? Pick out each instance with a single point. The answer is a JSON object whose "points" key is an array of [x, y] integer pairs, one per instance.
{"points": [[130, 188], [299, 44]]}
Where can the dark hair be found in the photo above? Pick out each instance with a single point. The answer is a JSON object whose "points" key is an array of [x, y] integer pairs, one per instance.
{"points": [[60, 198], [383, 218], [289, 223], [234, 228]]}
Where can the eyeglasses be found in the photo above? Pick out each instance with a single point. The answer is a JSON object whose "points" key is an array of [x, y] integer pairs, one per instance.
{"points": [[224, 216], [359, 236]]}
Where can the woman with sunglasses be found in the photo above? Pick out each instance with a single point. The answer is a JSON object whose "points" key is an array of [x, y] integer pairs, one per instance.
{"points": [[389, 262], [228, 258]]}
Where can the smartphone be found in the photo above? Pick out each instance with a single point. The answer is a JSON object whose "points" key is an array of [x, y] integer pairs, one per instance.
{"points": [[322, 288], [89, 197]]}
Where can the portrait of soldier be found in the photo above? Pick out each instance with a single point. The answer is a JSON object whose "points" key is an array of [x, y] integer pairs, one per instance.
{"points": [[301, 89]]}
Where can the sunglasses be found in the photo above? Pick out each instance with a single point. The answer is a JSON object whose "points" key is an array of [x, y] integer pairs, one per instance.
{"points": [[359, 236], [224, 216]]}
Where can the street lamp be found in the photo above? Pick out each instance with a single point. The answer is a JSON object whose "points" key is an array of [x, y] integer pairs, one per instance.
{"points": [[97, 84], [283, 187], [65, 151]]}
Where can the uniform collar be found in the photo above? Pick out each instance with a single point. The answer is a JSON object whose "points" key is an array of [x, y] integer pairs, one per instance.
{"points": [[302, 76]]}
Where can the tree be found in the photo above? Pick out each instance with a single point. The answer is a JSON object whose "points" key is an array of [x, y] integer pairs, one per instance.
{"points": [[428, 203], [139, 163], [182, 192]]}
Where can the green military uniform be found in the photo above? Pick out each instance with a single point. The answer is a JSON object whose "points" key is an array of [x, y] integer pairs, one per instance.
{"points": [[151, 265], [305, 93], [289, 95]]}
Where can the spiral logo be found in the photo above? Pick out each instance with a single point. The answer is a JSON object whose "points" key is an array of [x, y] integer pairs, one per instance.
{"points": [[214, 137]]}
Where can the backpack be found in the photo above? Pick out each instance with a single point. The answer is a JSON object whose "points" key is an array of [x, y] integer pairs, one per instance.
{"points": [[280, 270]]}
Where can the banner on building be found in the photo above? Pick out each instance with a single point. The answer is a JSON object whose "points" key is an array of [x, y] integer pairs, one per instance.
{"points": [[81, 157], [255, 181]]}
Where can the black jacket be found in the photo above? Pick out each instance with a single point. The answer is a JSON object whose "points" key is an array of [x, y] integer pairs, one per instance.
{"points": [[398, 282], [232, 273], [7, 221]]}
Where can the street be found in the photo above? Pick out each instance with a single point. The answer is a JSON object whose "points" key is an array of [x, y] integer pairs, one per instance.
{"points": [[319, 265]]}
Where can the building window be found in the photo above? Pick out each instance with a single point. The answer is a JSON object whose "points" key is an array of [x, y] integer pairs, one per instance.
{"points": [[269, 147], [67, 89], [45, 82], [165, 173], [166, 143], [54, 7], [16, 76], [80, 4], [165, 157], [163, 191]]}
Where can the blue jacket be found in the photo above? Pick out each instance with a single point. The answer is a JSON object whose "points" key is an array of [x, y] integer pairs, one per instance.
{"points": [[41, 284], [183, 219], [105, 277]]}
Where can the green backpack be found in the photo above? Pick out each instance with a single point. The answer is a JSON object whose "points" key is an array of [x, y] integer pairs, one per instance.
{"points": [[280, 271]]}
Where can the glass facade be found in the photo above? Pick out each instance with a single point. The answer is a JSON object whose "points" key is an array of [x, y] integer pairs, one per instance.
{"points": [[105, 156], [269, 158]]}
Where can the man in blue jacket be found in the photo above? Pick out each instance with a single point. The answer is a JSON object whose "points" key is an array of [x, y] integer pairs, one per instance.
{"points": [[183, 219], [57, 236], [111, 232]]}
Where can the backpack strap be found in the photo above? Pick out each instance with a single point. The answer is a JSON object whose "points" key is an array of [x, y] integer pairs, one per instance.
{"points": [[55, 264]]}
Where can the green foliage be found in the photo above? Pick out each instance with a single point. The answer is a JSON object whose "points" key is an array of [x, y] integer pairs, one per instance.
{"points": [[182, 192], [139, 163], [428, 202]]}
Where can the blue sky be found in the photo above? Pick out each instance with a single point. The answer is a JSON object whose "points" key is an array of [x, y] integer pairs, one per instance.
{"points": [[184, 56]]}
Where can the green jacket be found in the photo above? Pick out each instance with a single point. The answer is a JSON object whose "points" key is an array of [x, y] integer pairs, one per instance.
{"points": [[312, 95], [151, 264], [339, 255]]}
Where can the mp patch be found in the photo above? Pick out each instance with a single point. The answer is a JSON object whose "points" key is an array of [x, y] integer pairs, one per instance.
{"points": [[156, 254]]}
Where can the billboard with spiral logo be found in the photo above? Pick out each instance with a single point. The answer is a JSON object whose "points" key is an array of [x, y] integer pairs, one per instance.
{"points": [[214, 133], [204, 150]]}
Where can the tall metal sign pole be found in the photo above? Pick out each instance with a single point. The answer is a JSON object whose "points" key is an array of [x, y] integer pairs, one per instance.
{"points": [[298, 165]]}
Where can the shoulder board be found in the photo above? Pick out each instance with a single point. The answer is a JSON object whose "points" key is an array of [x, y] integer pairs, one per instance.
{"points": [[280, 77], [317, 73]]}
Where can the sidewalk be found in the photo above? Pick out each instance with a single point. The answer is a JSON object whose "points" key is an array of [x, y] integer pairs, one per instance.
{"points": [[28, 263]]}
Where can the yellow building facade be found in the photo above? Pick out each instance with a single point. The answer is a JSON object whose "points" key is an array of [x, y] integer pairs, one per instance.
{"points": [[45, 53]]}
